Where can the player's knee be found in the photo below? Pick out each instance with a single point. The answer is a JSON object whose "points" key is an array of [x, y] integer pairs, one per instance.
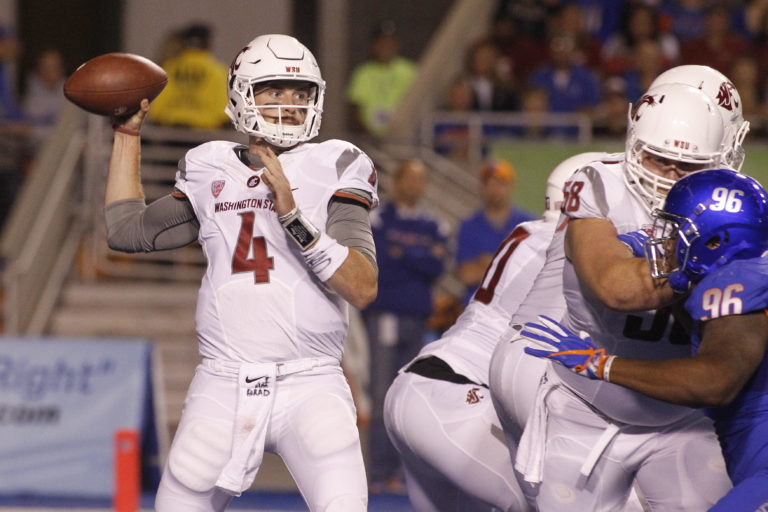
{"points": [[332, 428], [199, 453], [348, 503]]}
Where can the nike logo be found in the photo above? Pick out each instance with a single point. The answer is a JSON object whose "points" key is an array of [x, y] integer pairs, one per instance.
{"points": [[248, 380], [297, 188]]}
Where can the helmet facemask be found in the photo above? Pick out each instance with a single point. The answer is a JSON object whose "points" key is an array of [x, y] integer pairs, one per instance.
{"points": [[668, 248], [251, 120]]}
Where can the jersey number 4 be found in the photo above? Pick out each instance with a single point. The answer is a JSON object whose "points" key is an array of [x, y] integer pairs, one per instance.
{"points": [[254, 246]]}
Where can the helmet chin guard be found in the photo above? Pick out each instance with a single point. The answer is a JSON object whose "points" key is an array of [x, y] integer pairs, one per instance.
{"points": [[268, 58]]}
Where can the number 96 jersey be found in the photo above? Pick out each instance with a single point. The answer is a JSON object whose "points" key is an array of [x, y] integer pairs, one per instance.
{"points": [[258, 300]]}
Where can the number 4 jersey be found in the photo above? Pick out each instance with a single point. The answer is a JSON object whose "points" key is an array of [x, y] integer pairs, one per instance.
{"points": [[258, 300]]}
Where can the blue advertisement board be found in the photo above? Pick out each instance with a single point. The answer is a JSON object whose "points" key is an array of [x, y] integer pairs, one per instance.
{"points": [[61, 402]]}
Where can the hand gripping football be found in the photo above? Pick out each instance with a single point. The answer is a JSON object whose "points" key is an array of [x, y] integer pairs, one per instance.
{"points": [[114, 84]]}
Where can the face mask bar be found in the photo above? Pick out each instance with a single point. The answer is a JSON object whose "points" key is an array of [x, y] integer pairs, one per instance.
{"points": [[666, 236]]}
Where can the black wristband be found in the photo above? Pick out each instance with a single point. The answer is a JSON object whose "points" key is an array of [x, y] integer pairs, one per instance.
{"points": [[303, 232]]}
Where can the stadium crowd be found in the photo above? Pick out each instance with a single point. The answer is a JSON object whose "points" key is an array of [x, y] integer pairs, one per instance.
{"points": [[595, 56]]}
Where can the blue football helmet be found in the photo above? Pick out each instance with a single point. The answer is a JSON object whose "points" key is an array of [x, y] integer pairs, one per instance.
{"points": [[709, 218]]}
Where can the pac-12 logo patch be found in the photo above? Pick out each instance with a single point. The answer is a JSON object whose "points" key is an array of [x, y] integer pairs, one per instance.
{"points": [[216, 187], [253, 181]]}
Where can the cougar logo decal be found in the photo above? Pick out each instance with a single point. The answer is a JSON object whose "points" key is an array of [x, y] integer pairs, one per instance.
{"points": [[237, 60], [725, 97], [637, 107], [474, 396]]}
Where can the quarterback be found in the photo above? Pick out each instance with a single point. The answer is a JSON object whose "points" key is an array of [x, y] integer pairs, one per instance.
{"points": [[284, 227]]}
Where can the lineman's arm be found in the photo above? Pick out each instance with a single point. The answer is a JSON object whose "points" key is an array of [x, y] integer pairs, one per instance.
{"points": [[609, 271], [732, 348]]}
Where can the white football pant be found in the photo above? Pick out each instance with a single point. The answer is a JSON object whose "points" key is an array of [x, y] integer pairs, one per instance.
{"points": [[452, 447], [312, 428]]}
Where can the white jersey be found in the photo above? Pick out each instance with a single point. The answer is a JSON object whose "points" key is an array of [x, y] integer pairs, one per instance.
{"points": [[258, 301], [599, 191], [467, 346]]}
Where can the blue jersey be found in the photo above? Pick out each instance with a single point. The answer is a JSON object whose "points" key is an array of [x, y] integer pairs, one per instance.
{"points": [[738, 287]]}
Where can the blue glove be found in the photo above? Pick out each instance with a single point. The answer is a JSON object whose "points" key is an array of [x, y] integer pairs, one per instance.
{"points": [[577, 353], [635, 240]]}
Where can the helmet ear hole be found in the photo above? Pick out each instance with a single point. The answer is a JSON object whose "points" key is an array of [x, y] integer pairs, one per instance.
{"points": [[713, 243]]}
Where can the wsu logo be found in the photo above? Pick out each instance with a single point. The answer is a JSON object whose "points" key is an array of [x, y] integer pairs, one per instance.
{"points": [[216, 187], [725, 97], [474, 396]]}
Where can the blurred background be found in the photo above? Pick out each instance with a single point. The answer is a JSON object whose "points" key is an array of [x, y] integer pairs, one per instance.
{"points": [[97, 342]]}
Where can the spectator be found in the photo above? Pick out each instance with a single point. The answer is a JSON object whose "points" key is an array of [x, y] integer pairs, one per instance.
{"points": [[529, 16], [648, 63], [687, 18], [718, 46], [44, 98], [570, 21], [745, 75], [171, 45], [601, 18], [193, 97], [9, 49], [641, 22], [611, 115], [378, 84], [491, 83], [535, 104], [571, 87], [452, 137], [524, 52], [410, 252], [13, 133], [759, 33], [754, 16], [481, 233]]}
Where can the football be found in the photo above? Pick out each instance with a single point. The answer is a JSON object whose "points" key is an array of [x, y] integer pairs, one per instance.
{"points": [[114, 84]]}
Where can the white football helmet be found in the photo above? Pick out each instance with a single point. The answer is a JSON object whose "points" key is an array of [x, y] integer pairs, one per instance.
{"points": [[717, 86], [553, 197], [673, 121], [274, 57]]}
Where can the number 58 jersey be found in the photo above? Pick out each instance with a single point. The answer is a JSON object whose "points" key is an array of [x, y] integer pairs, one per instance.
{"points": [[599, 192], [258, 300]]}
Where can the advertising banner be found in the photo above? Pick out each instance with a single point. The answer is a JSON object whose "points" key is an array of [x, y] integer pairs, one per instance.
{"points": [[61, 403]]}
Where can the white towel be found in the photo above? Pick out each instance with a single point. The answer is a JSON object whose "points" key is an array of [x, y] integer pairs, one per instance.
{"points": [[529, 460], [256, 396]]}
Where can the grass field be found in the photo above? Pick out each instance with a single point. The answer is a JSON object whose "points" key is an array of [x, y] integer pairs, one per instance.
{"points": [[534, 161]]}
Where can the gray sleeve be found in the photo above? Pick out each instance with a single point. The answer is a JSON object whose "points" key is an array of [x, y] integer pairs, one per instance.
{"points": [[167, 223], [350, 225]]}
